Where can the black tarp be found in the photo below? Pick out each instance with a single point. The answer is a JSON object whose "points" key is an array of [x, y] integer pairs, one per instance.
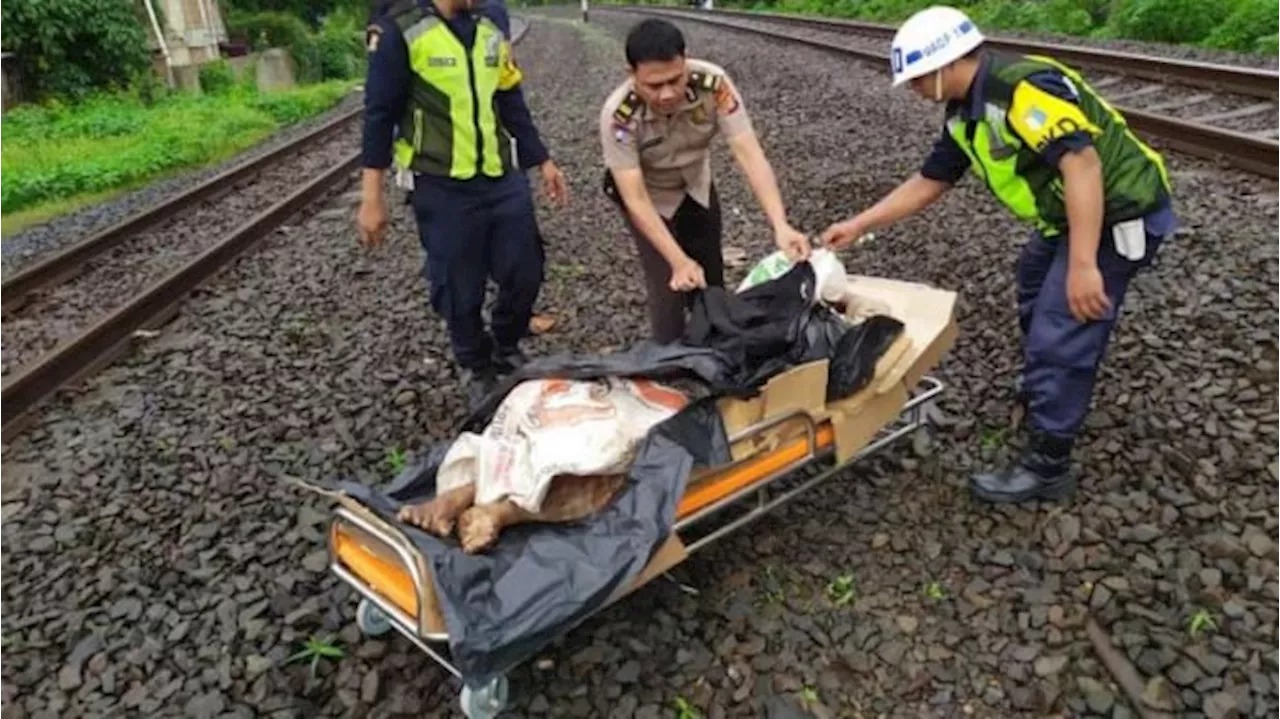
{"points": [[501, 607]]}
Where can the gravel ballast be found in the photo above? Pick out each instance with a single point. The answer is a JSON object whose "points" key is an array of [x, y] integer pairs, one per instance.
{"points": [[158, 563]]}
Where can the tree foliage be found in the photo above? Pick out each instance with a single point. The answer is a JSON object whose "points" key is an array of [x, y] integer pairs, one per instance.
{"points": [[1243, 25], [71, 47]]}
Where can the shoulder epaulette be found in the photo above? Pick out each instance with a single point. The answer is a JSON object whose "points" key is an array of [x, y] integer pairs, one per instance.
{"points": [[627, 107], [704, 81]]}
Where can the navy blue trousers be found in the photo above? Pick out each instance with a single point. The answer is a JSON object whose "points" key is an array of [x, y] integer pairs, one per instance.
{"points": [[473, 231], [1062, 355]]}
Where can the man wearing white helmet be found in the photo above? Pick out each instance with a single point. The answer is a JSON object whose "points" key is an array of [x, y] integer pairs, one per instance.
{"points": [[1062, 160]]}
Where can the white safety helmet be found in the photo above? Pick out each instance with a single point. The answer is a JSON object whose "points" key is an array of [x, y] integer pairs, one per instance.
{"points": [[931, 39]]}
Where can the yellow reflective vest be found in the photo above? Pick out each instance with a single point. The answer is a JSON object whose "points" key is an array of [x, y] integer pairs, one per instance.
{"points": [[450, 127]]}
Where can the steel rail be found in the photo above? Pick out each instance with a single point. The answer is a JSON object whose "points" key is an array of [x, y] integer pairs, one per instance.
{"points": [[1257, 82], [80, 356], [1254, 154], [65, 263]]}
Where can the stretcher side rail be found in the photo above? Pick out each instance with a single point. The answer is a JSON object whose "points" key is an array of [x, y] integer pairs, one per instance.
{"points": [[913, 410], [392, 539]]}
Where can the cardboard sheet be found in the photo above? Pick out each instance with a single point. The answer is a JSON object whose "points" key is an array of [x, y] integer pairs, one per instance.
{"points": [[928, 316]]}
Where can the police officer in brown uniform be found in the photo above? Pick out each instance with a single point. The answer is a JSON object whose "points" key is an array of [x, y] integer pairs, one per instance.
{"points": [[656, 131]]}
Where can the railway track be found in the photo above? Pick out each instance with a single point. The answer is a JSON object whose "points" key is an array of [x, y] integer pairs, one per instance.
{"points": [[1219, 112], [72, 313]]}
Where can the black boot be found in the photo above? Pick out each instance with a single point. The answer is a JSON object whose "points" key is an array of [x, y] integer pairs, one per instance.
{"points": [[508, 359], [1043, 472], [480, 382]]}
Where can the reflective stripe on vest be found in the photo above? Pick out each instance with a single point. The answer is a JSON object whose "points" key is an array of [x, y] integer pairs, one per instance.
{"points": [[450, 127], [1134, 175], [994, 155]]}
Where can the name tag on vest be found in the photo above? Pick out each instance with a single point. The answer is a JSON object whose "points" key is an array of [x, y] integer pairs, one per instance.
{"points": [[442, 61]]}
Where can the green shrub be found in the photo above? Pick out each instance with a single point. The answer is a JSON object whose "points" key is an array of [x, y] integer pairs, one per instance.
{"points": [[1164, 20], [289, 107], [217, 77], [1268, 45], [1248, 23], [266, 30], [70, 48], [341, 46]]}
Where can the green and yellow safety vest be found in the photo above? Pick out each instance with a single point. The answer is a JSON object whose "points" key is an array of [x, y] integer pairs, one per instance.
{"points": [[450, 126], [1021, 119]]}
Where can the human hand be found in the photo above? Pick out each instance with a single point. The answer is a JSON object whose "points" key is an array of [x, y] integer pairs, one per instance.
{"points": [[553, 183], [792, 242], [372, 221], [687, 275], [842, 234], [1086, 293]]}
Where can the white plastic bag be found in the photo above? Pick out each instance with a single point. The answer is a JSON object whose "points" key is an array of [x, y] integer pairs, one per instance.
{"points": [[826, 267]]}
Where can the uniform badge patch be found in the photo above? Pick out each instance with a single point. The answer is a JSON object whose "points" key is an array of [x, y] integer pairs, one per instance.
{"points": [[622, 134], [699, 115], [726, 99], [1035, 118]]}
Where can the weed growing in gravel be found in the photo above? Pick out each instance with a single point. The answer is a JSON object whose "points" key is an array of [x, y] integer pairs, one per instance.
{"points": [[572, 271], [685, 710], [315, 650], [840, 590], [992, 437], [1200, 621], [772, 586], [934, 591], [808, 697], [395, 459]]}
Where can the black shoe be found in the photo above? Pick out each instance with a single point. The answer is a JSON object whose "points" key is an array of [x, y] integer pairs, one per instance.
{"points": [[480, 384], [1043, 472], [509, 360]]}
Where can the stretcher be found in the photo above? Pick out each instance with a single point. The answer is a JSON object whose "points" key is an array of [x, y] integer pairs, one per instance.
{"points": [[784, 442]]}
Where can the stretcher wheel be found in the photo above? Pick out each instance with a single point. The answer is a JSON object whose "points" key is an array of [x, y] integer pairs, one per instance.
{"points": [[485, 702], [371, 620]]}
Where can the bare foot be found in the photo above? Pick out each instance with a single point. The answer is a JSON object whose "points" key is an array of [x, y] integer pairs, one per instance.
{"points": [[478, 528], [438, 515]]}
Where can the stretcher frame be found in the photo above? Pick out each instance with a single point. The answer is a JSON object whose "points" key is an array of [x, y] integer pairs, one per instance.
{"points": [[720, 490]]}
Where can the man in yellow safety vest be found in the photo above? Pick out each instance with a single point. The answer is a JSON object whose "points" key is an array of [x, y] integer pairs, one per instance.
{"points": [[443, 100], [1065, 162]]}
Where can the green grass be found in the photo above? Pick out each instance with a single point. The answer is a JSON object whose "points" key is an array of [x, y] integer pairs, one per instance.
{"points": [[59, 157]]}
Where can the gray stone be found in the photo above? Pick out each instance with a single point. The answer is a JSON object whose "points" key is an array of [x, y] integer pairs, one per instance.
{"points": [[1159, 694], [255, 665], [907, 623], [205, 706], [369, 687], [317, 561], [1260, 545], [1050, 665], [1096, 694], [1222, 705], [1185, 673], [629, 673]]}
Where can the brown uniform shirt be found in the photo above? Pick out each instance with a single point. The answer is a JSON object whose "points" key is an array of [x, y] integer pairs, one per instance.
{"points": [[673, 151]]}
